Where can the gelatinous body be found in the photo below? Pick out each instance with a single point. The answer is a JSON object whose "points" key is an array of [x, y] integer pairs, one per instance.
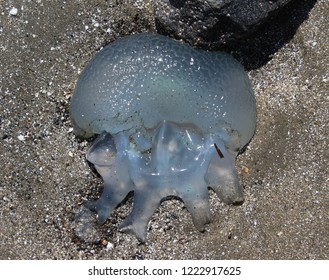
{"points": [[171, 120]]}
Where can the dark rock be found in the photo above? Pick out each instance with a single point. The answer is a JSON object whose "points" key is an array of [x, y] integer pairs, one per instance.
{"points": [[214, 22]]}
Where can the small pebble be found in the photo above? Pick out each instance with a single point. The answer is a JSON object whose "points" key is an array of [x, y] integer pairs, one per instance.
{"points": [[109, 246], [21, 137], [245, 169], [13, 11], [104, 242]]}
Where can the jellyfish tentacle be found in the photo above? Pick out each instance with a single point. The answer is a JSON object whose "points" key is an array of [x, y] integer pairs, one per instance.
{"points": [[183, 162], [143, 209], [108, 154], [197, 203], [222, 176]]}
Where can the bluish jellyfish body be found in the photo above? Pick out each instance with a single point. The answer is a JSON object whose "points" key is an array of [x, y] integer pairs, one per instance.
{"points": [[171, 120]]}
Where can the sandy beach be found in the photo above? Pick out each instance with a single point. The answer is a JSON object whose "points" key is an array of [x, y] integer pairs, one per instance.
{"points": [[45, 178]]}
